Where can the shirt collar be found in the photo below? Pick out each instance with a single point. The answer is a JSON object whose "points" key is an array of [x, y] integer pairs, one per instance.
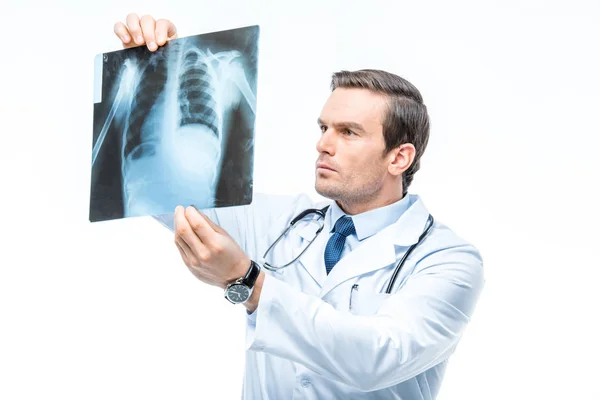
{"points": [[370, 222]]}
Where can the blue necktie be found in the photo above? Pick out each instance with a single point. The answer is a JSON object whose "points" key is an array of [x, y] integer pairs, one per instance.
{"points": [[343, 227]]}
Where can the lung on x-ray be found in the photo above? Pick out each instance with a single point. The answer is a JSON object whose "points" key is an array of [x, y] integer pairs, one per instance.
{"points": [[174, 126]]}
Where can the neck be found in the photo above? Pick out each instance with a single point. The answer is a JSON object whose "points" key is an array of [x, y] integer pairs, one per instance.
{"points": [[354, 207]]}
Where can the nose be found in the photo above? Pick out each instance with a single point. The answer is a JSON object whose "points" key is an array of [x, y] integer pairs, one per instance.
{"points": [[326, 144]]}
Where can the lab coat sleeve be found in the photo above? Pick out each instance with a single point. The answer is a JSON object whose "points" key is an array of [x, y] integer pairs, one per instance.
{"points": [[414, 329]]}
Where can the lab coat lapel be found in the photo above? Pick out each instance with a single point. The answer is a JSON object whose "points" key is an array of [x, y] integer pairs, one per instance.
{"points": [[379, 250]]}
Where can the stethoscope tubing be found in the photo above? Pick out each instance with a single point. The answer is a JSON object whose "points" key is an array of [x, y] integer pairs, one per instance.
{"points": [[321, 213]]}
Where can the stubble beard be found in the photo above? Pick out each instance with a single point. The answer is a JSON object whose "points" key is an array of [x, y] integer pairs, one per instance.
{"points": [[344, 192]]}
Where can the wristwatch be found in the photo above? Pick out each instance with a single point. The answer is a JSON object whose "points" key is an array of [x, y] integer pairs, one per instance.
{"points": [[241, 290]]}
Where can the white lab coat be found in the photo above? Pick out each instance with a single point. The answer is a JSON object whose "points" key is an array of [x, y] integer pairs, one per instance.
{"points": [[303, 341]]}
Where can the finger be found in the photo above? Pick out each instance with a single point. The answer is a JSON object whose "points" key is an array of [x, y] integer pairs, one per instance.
{"points": [[200, 225], [148, 27], [122, 32], [182, 252], [212, 224], [165, 30], [135, 30], [186, 233]]}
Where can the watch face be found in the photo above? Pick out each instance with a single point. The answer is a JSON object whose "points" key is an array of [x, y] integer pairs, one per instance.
{"points": [[238, 293]]}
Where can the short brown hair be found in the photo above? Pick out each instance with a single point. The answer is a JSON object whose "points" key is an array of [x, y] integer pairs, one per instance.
{"points": [[406, 120]]}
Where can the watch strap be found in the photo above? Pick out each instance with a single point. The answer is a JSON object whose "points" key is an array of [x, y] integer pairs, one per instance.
{"points": [[253, 272]]}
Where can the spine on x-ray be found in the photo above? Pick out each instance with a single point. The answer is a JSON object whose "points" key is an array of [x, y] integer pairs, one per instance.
{"points": [[196, 94]]}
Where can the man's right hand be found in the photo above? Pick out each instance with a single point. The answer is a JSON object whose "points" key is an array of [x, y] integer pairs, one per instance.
{"points": [[138, 31]]}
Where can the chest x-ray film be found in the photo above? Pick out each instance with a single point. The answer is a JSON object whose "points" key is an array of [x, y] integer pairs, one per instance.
{"points": [[175, 126]]}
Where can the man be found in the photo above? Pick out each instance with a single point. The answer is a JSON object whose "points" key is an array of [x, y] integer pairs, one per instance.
{"points": [[329, 323]]}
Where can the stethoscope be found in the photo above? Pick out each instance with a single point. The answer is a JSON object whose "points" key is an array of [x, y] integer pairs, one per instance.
{"points": [[321, 214]]}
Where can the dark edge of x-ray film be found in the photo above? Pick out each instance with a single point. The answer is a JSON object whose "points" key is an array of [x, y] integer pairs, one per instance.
{"points": [[175, 126]]}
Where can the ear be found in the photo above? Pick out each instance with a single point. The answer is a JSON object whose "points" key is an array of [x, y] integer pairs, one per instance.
{"points": [[401, 158]]}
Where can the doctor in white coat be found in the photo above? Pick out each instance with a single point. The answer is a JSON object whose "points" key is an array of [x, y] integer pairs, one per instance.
{"points": [[323, 321]]}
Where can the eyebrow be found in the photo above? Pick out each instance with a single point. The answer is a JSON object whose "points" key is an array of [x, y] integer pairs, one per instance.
{"points": [[347, 124]]}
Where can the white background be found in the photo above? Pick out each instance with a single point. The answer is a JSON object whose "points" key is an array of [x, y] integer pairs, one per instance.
{"points": [[108, 310]]}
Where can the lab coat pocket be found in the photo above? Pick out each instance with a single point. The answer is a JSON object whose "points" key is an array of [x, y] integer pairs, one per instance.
{"points": [[365, 303]]}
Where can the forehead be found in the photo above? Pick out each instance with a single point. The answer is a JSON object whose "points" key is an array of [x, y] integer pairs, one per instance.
{"points": [[355, 105]]}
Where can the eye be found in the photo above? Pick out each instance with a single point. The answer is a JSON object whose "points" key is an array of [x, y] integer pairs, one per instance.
{"points": [[348, 132], [323, 128]]}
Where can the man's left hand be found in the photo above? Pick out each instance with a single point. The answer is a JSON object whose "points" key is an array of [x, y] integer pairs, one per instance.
{"points": [[207, 249]]}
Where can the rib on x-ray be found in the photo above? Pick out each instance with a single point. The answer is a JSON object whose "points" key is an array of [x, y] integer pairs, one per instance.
{"points": [[176, 126]]}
